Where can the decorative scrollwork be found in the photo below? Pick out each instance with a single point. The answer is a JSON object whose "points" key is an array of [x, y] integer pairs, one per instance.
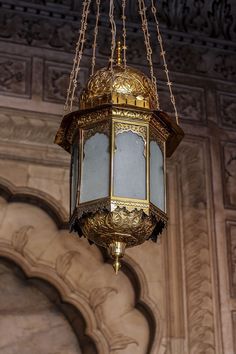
{"points": [[138, 129]]}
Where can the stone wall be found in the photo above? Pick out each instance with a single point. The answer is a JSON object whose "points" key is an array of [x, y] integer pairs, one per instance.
{"points": [[178, 296]]}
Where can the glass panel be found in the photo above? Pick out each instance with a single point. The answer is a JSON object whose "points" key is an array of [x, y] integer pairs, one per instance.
{"points": [[95, 168], [157, 182], [129, 166], [74, 176]]}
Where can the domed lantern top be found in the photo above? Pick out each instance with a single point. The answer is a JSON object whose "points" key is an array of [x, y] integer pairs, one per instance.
{"points": [[119, 140], [121, 86]]}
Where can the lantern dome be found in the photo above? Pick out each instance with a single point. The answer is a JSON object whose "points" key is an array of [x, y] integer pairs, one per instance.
{"points": [[121, 85]]}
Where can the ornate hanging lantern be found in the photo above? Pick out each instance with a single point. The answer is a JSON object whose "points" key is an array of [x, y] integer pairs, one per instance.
{"points": [[119, 140]]}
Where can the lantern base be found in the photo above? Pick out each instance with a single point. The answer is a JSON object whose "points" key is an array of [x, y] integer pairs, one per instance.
{"points": [[118, 229]]}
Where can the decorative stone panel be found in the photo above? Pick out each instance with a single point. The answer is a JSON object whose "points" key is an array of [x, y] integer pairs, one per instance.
{"points": [[190, 102], [229, 173], [231, 253], [227, 110], [192, 155], [56, 81], [15, 75], [234, 328]]}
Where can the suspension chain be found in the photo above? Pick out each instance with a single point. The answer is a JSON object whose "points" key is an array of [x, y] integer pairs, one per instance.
{"points": [[142, 11], [95, 37], [123, 17], [113, 33], [78, 55], [162, 53]]}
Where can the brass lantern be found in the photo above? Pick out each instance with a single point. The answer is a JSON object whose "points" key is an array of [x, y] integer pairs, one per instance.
{"points": [[118, 141]]}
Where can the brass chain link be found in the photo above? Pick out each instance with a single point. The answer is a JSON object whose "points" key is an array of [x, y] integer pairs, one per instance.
{"points": [[123, 17], [113, 33], [162, 53], [78, 55], [95, 37], [142, 12]]}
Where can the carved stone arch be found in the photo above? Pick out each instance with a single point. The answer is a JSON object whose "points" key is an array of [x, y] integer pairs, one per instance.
{"points": [[70, 312], [143, 302], [59, 263], [35, 197]]}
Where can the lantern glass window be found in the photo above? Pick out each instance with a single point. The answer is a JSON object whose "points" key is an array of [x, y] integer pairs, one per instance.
{"points": [[129, 166], [95, 168], [157, 176]]}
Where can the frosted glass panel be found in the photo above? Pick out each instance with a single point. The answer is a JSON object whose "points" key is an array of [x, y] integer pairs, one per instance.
{"points": [[157, 186], [74, 176], [129, 166], [95, 168]]}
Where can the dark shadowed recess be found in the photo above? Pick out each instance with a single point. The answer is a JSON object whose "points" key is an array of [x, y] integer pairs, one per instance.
{"points": [[71, 313]]}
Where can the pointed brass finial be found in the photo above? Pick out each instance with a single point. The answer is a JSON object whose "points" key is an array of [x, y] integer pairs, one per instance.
{"points": [[117, 250], [119, 58], [116, 265]]}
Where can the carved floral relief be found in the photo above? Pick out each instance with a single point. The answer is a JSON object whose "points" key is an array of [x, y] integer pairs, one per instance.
{"points": [[15, 75], [56, 81], [231, 254], [197, 252], [227, 110], [234, 328], [229, 174], [189, 101]]}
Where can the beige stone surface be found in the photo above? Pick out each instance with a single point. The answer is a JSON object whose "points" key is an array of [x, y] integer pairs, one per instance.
{"points": [[29, 322]]}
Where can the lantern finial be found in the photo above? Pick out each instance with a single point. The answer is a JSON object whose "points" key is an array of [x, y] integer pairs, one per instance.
{"points": [[116, 265], [117, 250]]}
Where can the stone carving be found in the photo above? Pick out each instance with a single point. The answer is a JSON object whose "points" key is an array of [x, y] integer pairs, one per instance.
{"points": [[220, 19], [201, 61], [20, 238], [231, 246], [120, 342], [61, 35], [201, 332], [14, 75], [63, 263], [229, 180], [224, 66], [99, 295], [211, 18], [56, 81], [20, 127], [37, 31], [190, 102], [97, 298], [24, 305], [227, 110], [234, 328]]}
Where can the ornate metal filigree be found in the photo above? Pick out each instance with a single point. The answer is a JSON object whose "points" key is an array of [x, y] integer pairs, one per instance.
{"points": [[131, 114], [132, 228], [119, 86], [138, 129], [101, 128]]}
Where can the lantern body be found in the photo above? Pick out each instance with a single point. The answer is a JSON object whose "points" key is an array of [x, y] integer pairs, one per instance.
{"points": [[118, 166], [118, 144]]}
